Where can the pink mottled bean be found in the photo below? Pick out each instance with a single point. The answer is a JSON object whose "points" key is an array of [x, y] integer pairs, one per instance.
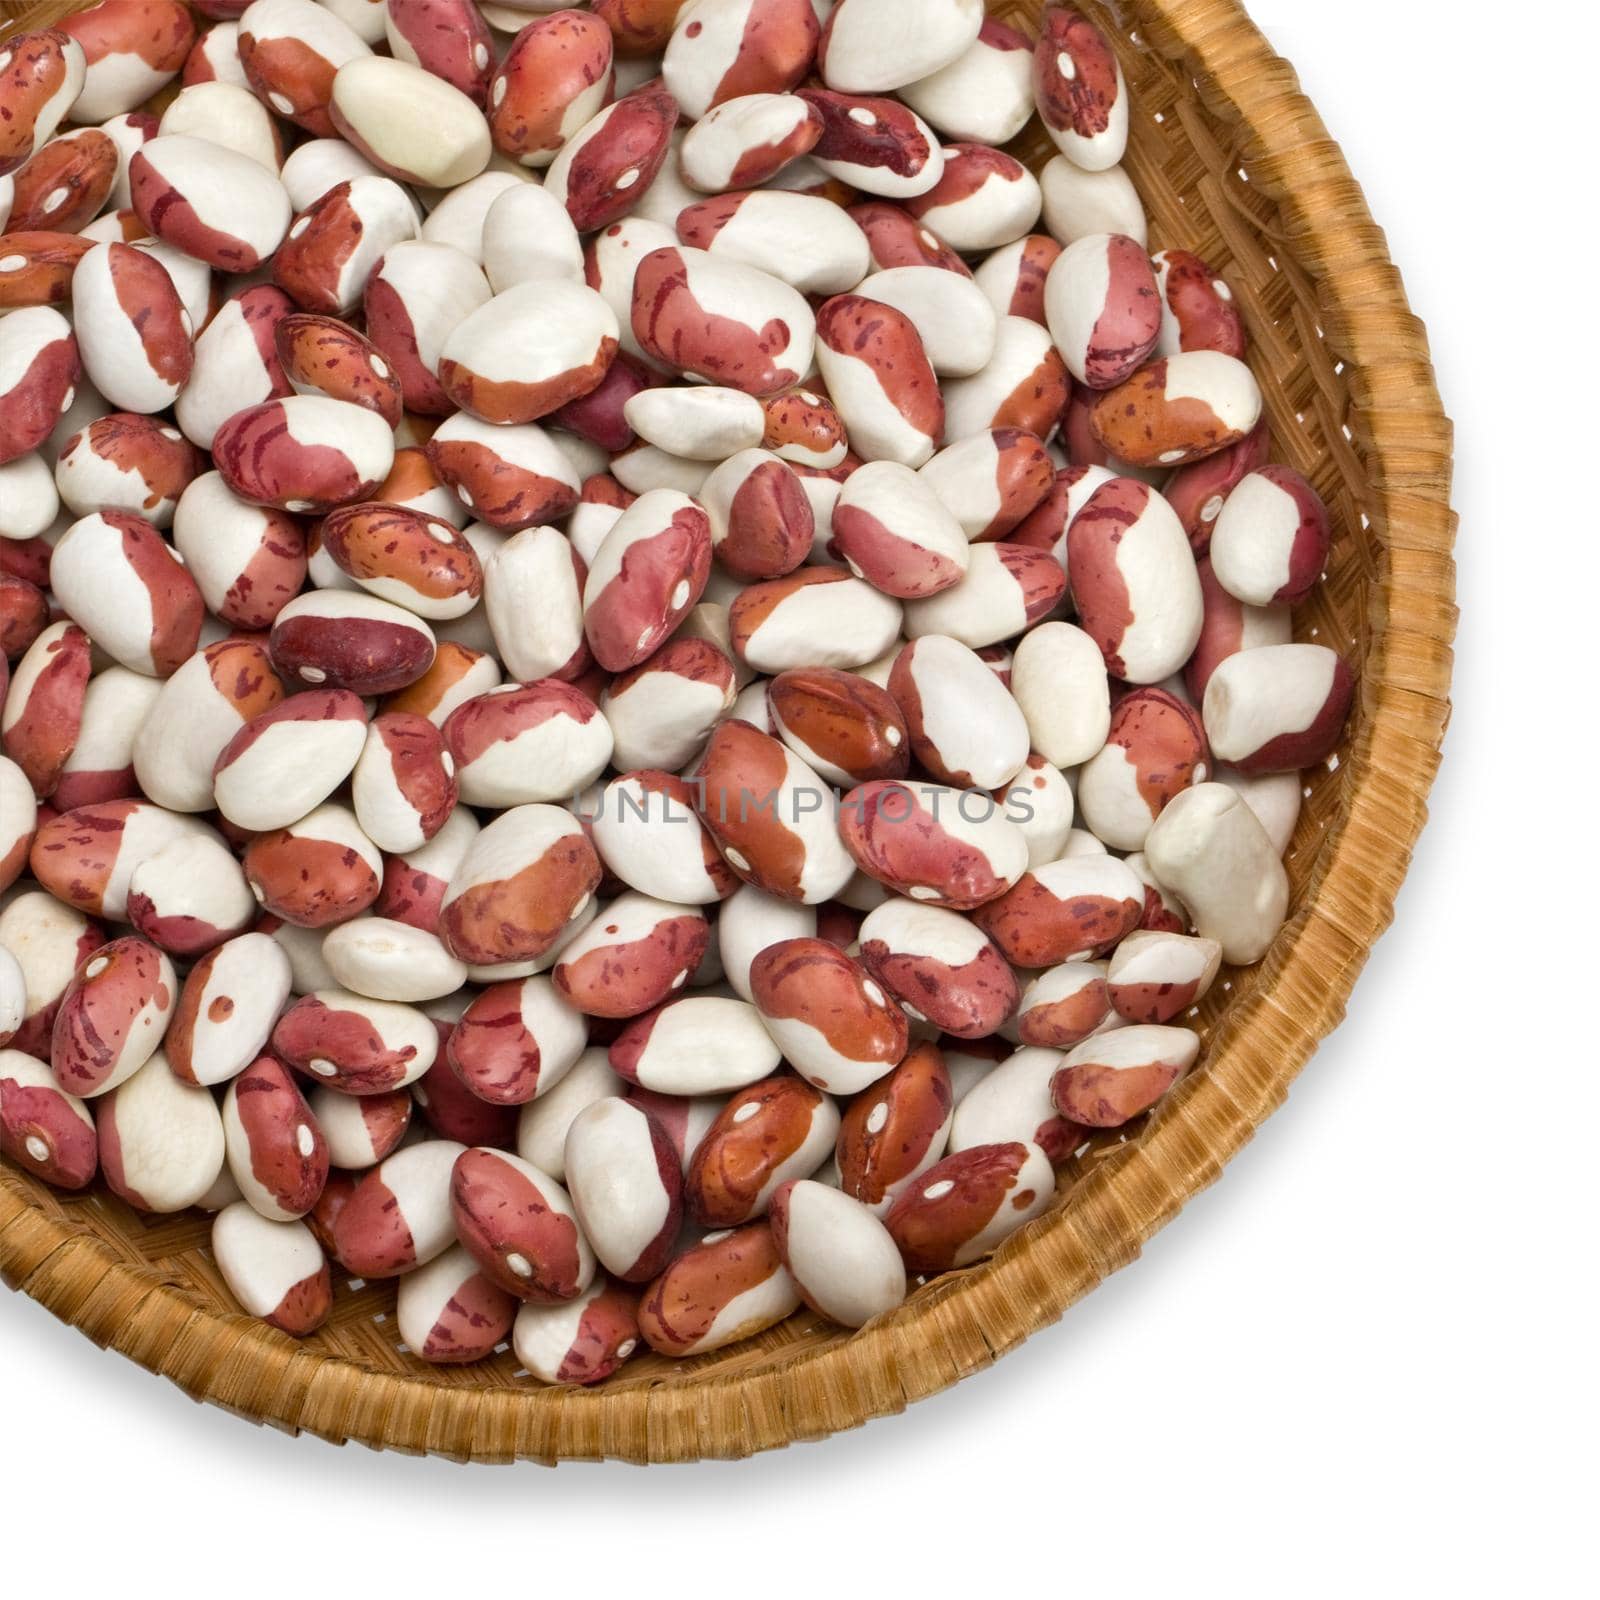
{"points": [[42, 76], [647, 574], [878, 376], [160, 1139], [874, 144], [449, 39], [353, 1044], [515, 1041], [553, 80], [1103, 308], [403, 785], [728, 1287], [1178, 410], [522, 880], [318, 871], [337, 639], [1197, 307]]}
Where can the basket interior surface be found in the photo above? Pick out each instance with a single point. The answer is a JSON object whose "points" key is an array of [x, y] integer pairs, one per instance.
{"points": [[1375, 446]]}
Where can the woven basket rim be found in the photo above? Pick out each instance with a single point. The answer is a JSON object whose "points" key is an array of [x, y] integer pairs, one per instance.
{"points": [[966, 1320]]}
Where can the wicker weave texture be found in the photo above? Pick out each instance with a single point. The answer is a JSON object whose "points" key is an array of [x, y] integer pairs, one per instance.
{"points": [[1231, 161]]}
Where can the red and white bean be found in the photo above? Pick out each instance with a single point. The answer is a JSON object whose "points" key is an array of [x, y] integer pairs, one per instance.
{"points": [[578, 1341], [399, 1216], [765, 1135], [700, 1044], [1134, 581], [965, 728], [189, 897], [448, 1310], [209, 201], [1114, 1076], [1079, 88], [939, 966], [229, 1002], [965, 1206], [1277, 708], [43, 1128], [1155, 748], [361, 1130], [1271, 538], [626, 1187], [733, 47], [1063, 1006], [770, 815], [698, 314], [160, 1139], [520, 883], [40, 361], [290, 51], [1074, 906], [275, 1270], [332, 248], [276, 1152], [730, 1286], [135, 334]]}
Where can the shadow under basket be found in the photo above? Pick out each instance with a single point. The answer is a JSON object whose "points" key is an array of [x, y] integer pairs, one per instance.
{"points": [[1233, 162]]}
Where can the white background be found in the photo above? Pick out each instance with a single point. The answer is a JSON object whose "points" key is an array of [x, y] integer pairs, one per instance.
{"points": [[1365, 1360]]}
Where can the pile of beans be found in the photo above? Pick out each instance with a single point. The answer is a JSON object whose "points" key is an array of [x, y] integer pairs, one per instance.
{"points": [[644, 678]]}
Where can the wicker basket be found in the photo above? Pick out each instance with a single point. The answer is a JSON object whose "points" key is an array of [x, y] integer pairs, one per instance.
{"points": [[1231, 161]]}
